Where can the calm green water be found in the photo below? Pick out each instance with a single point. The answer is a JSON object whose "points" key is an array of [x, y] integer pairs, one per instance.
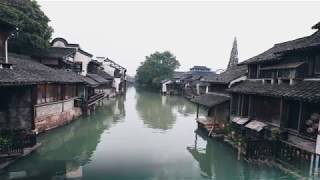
{"points": [[140, 136]]}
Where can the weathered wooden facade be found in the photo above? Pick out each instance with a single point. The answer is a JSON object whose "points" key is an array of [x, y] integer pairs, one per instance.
{"points": [[46, 96], [281, 96], [34, 96], [217, 99]]}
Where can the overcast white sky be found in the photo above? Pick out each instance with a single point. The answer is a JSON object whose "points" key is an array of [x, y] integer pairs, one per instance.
{"points": [[198, 33]]}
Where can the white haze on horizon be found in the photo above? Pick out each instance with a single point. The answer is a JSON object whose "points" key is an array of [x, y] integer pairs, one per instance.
{"points": [[197, 33]]}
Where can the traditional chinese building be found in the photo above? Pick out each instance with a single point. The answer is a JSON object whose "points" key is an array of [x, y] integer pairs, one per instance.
{"points": [[217, 99], [117, 72], [34, 96], [282, 94]]}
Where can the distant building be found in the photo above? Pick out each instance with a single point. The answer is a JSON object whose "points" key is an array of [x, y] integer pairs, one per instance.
{"points": [[200, 69], [118, 72]]}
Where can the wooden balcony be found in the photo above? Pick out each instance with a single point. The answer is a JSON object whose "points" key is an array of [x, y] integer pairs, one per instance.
{"points": [[94, 98]]}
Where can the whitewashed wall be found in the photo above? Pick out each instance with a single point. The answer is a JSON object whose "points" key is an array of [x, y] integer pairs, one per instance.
{"points": [[58, 44], [107, 68], [117, 82], [85, 61]]}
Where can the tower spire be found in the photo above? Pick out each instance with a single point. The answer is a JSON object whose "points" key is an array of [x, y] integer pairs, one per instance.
{"points": [[234, 54]]}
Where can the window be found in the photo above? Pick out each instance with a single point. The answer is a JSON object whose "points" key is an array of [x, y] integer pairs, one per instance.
{"points": [[253, 71], [2, 48], [317, 65], [266, 109], [70, 91], [48, 93], [293, 114], [41, 93]]}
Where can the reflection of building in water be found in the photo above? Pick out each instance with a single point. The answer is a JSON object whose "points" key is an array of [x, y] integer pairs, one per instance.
{"points": [[73, 170], [219, 161], [64, 150], [164, 100], [203, 156], [160, 112], [154, 113]]}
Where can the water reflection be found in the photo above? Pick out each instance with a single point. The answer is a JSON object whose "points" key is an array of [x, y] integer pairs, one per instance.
{"points": [[217, 160], [66, 150], [156, 113], [119, 142]]}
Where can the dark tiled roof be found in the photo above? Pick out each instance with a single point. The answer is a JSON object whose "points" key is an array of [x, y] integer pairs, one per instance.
{"points": [[290, 65], [53, 52], [210, 99], [98, 78], [90, 82], [305, 90], [196, 75], [274, 53], [227, 76], [26, 71], [71, 45], [316, 26], [178, 74], [104, 74], [201, 68]]}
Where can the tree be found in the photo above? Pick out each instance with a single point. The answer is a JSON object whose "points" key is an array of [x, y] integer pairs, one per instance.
{"points": [[157, 67], [34, 31], [233, 55]]}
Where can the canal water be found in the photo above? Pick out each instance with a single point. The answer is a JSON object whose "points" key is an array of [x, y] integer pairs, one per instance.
{"points": [[141, 135]]}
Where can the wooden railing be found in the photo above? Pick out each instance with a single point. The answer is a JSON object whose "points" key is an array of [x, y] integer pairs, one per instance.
{"points": [[13, 142], [260, 149], [94, 98]]}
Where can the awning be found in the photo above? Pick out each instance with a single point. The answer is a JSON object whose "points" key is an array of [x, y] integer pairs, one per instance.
{"points": [[211, 99], [239, 120], [256, 125]]}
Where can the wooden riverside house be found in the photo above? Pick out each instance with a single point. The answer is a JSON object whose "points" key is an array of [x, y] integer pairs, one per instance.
{"points": [[282, 96], [193, 85], [34, 97], [217, 99], [175, 85], [71, 57]]}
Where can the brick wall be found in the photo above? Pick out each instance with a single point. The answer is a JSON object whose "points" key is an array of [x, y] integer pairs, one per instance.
{"points": [[55, 115]]}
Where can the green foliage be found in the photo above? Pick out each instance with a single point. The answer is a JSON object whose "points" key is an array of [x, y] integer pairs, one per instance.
{"points": [[275, 134], [157, 67], [34, 31], [4, 141]]}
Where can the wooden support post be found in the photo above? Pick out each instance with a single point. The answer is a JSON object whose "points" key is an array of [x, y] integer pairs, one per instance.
{"points": [[242, 105], [250, 106], [198, 111], [300, 116], [317, 165], [281, 113], [311, 165]]}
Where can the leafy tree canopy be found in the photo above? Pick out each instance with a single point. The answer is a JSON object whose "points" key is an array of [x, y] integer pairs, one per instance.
{"points": [[157, 67], [34, 31]]}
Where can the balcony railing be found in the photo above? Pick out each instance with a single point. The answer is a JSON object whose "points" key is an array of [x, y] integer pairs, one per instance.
{"points": [[13, 142], [94, 98]]}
